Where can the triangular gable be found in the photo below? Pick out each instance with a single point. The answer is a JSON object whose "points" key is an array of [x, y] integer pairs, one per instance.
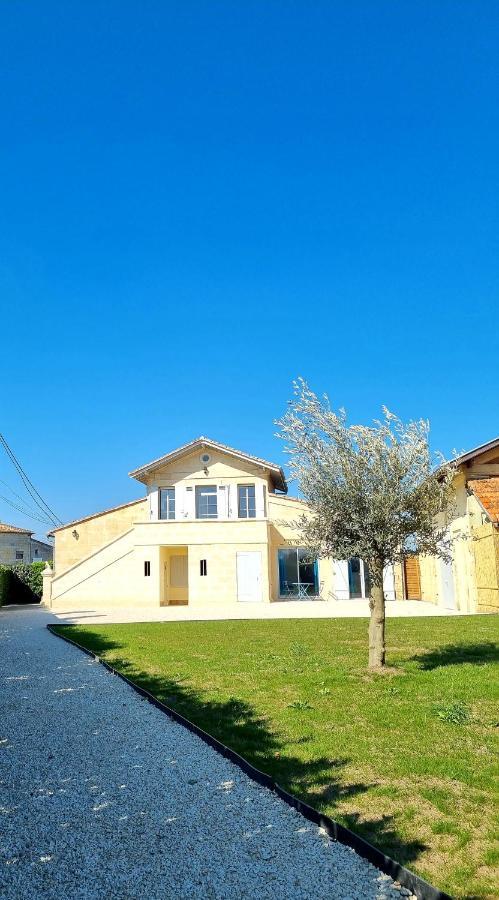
{"points": [[484, 450], [202, 443]]}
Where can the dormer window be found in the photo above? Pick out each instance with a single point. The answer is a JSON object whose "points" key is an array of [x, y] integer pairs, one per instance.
{"points": [[167, 503], [246, 505]]}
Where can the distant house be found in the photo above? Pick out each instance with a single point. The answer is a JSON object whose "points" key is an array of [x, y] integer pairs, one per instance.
{"points": [[17, 545], [469, 582]]}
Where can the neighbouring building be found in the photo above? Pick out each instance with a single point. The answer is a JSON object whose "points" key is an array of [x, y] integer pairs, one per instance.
{"points": [[468, 583], [18, 545], [215, 527]]}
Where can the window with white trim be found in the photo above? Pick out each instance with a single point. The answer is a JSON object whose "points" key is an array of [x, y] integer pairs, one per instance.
{"points": [[167, 503], [206, 501], [246, 505]]}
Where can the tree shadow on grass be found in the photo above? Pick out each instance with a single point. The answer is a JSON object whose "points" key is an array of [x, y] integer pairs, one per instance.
{"points": [[320, 781], [456, 654]]}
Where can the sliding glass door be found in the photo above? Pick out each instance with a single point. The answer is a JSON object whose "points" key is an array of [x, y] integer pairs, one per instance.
{"points": [[359, 582], [298, 574]]}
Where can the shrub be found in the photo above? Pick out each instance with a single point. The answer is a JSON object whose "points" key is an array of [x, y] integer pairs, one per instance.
{"points": [[21, 583]]}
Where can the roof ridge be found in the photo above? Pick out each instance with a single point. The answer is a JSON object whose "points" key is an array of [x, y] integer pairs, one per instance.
{"points": [[140, 470], [482, 448], [5, 528]]}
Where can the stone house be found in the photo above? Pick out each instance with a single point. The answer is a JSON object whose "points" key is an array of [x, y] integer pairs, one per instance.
{"points": [[18, 545]]}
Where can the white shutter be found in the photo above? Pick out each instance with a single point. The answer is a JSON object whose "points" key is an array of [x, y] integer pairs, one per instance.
{"points": [[388, 583], [223, 501], [189, 503], [341, 589], [232, 492], [154, 503], [179, 501], [259, 501]]}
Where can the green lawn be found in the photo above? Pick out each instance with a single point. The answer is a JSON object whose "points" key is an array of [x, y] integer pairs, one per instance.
{"points": [[405, 758]]}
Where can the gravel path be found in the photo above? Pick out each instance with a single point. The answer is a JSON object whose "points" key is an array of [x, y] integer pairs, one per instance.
{"points": [[101, 795]]}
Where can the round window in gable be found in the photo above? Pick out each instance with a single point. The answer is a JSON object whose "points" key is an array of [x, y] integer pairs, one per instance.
{"points": [[205, 458]]}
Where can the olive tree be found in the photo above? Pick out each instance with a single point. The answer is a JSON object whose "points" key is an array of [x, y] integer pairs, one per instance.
{"points": [[373, 492]]}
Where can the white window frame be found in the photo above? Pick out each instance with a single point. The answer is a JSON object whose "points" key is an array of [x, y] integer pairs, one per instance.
{"points": [[210, 490], [170, 504], [243, 502]]}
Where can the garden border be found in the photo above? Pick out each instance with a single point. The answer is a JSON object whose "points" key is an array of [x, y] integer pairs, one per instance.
{"points": [[418, 886]]}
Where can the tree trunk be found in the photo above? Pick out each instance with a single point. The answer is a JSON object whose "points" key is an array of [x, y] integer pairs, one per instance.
{"points": [[377, 621]]}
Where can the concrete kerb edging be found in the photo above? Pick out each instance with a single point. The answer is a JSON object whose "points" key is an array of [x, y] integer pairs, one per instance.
{"points": [[418, 886]]}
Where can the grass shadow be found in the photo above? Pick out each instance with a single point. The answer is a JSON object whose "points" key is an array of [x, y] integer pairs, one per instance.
{"points": [[457, 654], [319, 781]]}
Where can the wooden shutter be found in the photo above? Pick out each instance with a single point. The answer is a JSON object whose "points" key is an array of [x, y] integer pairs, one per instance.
{"points": [[412, 578]]}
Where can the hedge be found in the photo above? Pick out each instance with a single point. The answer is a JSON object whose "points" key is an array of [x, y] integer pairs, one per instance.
{"points": [[21, 583]]}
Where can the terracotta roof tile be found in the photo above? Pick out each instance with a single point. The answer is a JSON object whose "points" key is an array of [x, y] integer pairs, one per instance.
{"points": [[486, 490], [13, 529]]}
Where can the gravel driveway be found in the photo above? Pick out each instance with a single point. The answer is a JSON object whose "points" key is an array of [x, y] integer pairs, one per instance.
{"points": [[101, 795]]}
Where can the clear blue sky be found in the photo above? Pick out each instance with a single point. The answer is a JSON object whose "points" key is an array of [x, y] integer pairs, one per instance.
{"points": [[202, 200]]}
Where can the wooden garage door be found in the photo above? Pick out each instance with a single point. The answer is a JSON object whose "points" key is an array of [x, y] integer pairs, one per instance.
{"points": [[412, 579]]}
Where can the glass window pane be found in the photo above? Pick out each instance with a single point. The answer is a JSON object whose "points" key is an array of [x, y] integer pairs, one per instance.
{"points": [[288, 572], [246, 507], [242, 502], [367, 581], [308, 571], [354, 582], [206, 501], [167, 503]]}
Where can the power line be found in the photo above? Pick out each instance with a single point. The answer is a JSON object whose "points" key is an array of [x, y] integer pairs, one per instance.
{"points": [[22, 499], [24, 512], [35, 495]]}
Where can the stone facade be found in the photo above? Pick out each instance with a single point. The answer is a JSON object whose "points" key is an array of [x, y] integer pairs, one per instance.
{"points": [[133, 556], [17, 546]]}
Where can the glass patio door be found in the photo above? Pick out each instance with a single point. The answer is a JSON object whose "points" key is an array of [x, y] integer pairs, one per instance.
{"points": [[298, 574], [359, 581]]}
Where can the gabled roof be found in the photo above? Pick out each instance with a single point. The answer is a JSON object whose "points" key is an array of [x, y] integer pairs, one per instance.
{"points": [[472, 454], [13, 529], [486, 491], [202, 442]]}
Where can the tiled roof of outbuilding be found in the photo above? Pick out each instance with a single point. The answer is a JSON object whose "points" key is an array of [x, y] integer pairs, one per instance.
{"points": [[13, 529], [486, 490]]}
